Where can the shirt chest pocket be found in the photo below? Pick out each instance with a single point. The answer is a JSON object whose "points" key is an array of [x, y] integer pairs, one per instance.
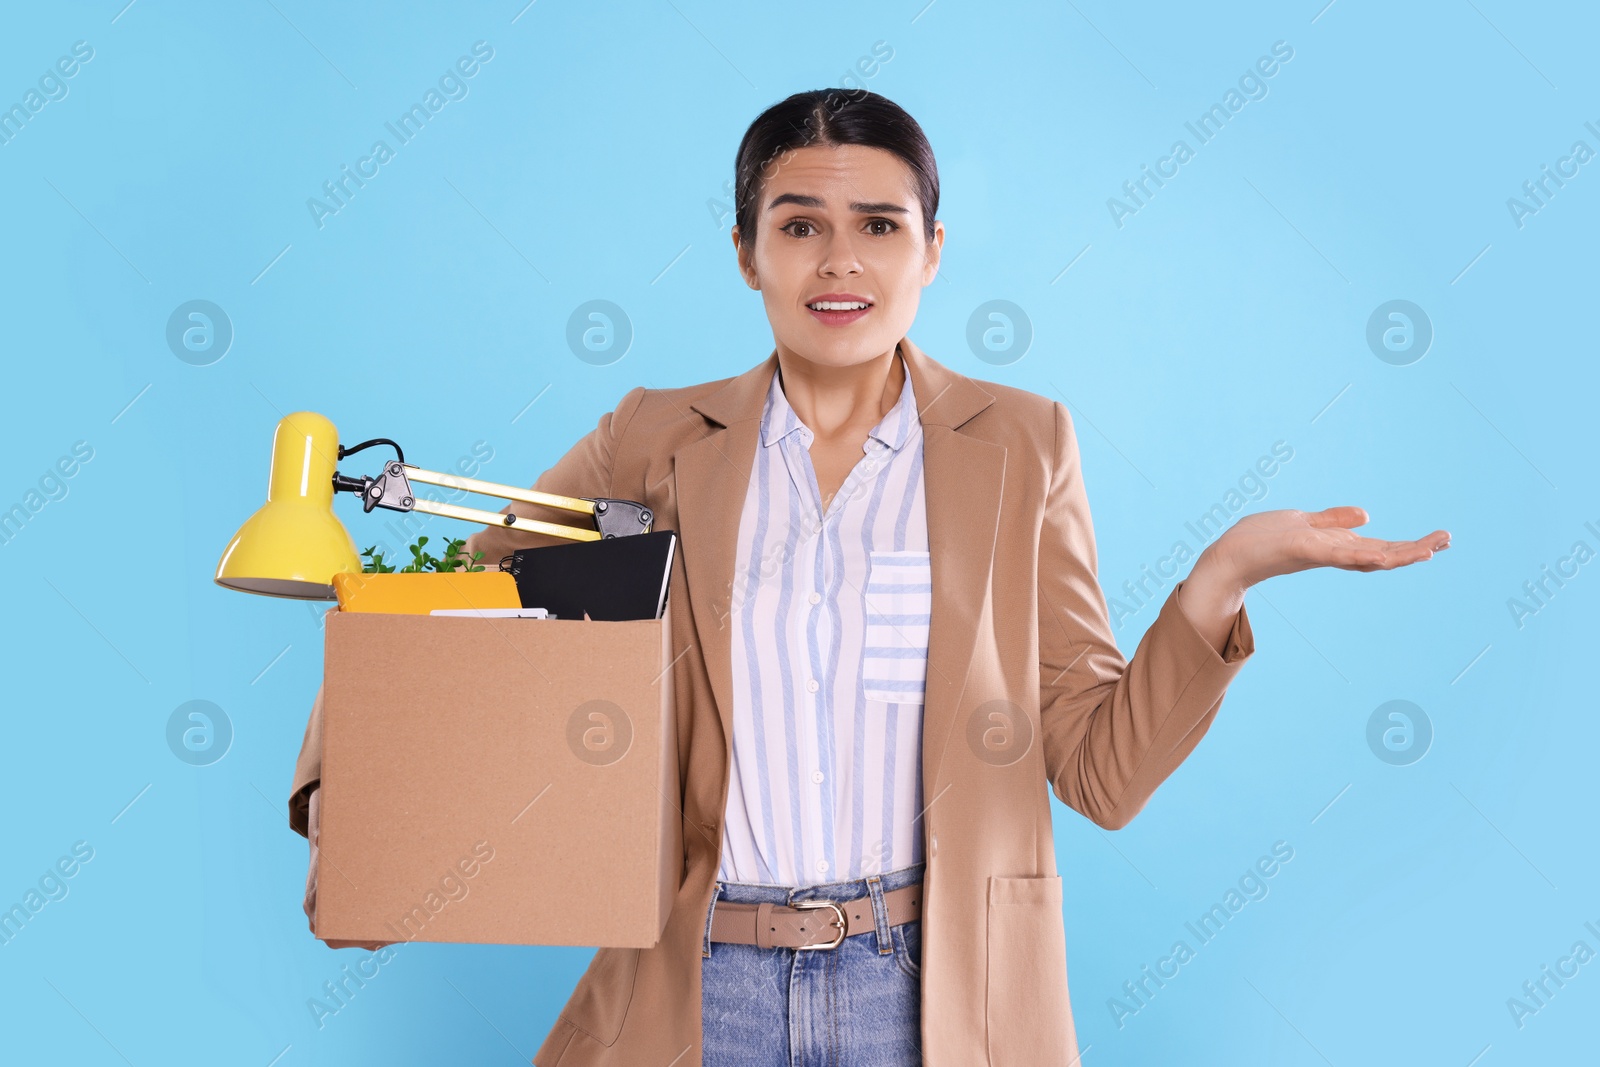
{"points": [[899, 606]]}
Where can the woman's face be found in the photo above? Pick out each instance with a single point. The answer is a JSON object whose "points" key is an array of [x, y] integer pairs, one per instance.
{"points": [[845, 221]]}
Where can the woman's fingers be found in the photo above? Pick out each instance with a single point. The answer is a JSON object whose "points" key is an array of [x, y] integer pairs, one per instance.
{"points": [[313, 821], [370, 946], [310, 904], [1369, 553], [1400, 553]]}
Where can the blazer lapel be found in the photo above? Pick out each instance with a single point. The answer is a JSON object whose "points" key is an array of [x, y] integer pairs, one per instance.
{"points": [[962, 479], [713, 474]]}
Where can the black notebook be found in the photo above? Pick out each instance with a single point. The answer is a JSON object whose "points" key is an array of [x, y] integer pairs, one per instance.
{"points": [[614, 579]]}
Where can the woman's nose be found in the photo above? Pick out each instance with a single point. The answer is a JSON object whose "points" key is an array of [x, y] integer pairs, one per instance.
{"points": [[840, 255]]}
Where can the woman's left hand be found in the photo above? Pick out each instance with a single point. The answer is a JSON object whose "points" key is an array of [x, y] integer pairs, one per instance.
{"points": [[1260, 546], [1269, 543]]}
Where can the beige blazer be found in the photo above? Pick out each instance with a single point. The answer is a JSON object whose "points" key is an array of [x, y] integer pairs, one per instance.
{"points": [[1019, 630]]}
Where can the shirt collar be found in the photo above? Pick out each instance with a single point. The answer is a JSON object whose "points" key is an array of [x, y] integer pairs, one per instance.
{"points": [[779, 420]]}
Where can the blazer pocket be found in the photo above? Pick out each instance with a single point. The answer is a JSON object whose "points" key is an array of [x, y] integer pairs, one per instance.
{"points": [[1028, 1010], [899, 603], [599, 1003]]}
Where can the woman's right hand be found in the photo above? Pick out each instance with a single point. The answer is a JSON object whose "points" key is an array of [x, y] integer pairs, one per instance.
{"points": [[310, 905]]}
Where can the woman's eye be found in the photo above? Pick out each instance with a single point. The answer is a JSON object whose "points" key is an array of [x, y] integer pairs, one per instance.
{"points": [[797, 222], [892, 226]]}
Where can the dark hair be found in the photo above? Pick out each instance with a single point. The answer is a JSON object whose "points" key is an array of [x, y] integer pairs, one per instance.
{"points": [[831, 117]]}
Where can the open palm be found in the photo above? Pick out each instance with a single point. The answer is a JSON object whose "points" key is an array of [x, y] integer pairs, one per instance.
{"points": [[1269, 543]]}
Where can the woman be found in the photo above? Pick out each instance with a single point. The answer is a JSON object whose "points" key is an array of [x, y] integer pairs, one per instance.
{"points": [[887, 631]]}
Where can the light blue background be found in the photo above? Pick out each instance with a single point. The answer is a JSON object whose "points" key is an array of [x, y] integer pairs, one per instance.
{"points": [[588, 161]]}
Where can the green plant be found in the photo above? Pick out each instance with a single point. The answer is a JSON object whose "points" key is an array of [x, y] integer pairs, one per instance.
{"points": [[422, 561]]}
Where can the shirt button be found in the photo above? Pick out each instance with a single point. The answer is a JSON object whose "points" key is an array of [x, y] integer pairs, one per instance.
{"points": [[814, 598], [812, 686], [822, 866], [816, 776]]}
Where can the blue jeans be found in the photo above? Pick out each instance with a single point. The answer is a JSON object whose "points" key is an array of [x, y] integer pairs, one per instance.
{"points": [[857, 1005]]}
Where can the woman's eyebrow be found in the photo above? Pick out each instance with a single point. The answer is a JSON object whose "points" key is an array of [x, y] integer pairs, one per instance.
{"points": [[859, 207]]}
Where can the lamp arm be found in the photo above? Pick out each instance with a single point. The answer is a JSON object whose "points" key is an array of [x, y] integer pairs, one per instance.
{"points": [[581, 505], [513, 522], [392, 490]]}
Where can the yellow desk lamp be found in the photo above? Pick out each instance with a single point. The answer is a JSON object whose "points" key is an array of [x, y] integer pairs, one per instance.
{"points": [[294, 545]]}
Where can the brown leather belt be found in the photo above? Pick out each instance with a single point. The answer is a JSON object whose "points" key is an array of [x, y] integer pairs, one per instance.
{"points": [[809, 923]]}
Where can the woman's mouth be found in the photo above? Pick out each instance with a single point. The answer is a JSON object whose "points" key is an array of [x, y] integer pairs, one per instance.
{"points": [[838, 312]]}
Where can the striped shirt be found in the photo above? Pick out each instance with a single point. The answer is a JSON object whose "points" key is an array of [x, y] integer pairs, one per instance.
{"points": [[830, 620]]}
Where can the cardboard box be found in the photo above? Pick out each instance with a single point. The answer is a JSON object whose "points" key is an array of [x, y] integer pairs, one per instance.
{"points": [[508, 781]]}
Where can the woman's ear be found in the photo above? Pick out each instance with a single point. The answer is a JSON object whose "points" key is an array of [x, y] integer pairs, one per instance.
{"points": [[933, 254], [747, 272]]}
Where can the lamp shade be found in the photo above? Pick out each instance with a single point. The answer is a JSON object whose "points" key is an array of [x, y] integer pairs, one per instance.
{"points": [[294, 545]]}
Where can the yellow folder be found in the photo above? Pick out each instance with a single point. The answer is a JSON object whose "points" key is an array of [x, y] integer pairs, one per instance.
{"points": [[419, 594]]}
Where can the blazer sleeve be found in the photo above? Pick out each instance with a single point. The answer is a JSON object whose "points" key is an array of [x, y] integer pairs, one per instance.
{"points": [[585, 470], [1114, 729]]}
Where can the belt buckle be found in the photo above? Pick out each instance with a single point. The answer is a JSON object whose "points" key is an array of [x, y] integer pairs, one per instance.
{"points": [[841, 922]]}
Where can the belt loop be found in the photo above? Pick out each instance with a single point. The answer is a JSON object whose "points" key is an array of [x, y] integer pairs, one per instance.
{"points": [[764, 924], [880, 914], [716, 891]]}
